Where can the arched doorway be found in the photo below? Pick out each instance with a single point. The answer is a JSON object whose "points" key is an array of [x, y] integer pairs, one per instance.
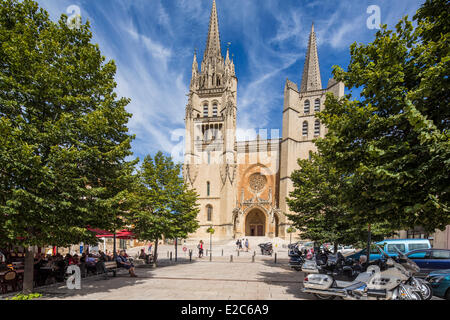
{"points": [[255, 224]]}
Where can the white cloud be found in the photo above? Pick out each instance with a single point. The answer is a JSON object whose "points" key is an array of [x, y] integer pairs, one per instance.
{"points": [[152, 43]]}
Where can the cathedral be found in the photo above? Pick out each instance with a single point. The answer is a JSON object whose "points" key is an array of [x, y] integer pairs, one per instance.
{"points": [[243, 185]]}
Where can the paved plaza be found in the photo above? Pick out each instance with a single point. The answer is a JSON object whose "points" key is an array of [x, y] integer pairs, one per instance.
{"points": [[198, 280]]}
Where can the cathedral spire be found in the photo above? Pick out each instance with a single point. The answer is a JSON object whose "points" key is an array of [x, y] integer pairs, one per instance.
{"points": [[311, 72], [212, 49]]}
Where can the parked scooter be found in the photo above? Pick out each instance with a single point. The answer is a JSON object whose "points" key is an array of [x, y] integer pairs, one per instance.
{"points": [[266, 248], [387, 281]]}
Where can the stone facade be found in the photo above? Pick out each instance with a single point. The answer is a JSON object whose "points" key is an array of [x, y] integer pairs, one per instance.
{"points": [[242, 185]]}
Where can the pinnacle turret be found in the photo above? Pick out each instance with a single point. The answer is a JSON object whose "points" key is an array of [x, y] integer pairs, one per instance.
{"points": [[311, 72]]}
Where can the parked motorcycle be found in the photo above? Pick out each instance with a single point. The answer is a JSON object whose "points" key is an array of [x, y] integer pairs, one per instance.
{"points": [[425, 288], [296, 257], [266, 248], [386, 279]]}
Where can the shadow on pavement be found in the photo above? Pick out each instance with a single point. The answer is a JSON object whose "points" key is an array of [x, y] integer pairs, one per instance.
{"points": [[291, 280], [98, 284]]}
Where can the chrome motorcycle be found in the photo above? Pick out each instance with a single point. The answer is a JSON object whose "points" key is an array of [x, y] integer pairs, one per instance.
{"points": [[425, 288], [388, 280]]}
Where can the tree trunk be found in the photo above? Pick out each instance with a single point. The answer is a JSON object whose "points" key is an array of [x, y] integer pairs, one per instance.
{"points": [[155, 253], [29, 271], [336, 248], [369, 241], [114, 247]]}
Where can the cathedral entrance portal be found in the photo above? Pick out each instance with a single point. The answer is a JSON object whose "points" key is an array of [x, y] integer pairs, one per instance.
{"points": [[255, 224]]}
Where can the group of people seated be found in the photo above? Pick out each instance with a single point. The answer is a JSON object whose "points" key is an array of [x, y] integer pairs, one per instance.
{"points": [[48, 266], [148, 258]]}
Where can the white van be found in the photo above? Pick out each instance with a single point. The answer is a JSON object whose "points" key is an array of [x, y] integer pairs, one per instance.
{"points": [[405, 245]]}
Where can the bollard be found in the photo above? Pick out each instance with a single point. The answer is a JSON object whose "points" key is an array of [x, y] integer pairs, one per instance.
{"points": [[206, 252], [253, 258], [170, 255], [190, 255], [231, 258], [167, 254], [238, 253], [275, 257], [222, 252]]}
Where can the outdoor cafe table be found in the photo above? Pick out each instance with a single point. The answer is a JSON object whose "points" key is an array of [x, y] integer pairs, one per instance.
{"points": [[19, 274]]}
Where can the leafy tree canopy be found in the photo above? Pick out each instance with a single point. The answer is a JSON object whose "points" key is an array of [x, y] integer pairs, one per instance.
{"points": [[320, 215], [392, 146], [163, 204], [63, 131]]}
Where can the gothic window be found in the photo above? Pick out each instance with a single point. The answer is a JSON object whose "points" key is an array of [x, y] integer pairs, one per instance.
{"points": [[317, 128], [305, 128], [205, 111], [208, 188], [307, 106], [317, 105], [215, 110], [209, 211]]}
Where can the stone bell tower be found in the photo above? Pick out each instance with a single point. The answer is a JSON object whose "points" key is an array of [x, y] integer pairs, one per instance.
{"points": [[210, 151], [300, 126]]}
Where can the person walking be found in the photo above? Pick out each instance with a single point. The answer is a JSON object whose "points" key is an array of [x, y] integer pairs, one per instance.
{"points": [[240, 244], [238, 241], [150, 248], [246, 245], [200, 249]]}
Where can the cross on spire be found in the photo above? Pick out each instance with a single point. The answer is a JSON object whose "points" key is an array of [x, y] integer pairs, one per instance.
{"points": [[311, 72]]}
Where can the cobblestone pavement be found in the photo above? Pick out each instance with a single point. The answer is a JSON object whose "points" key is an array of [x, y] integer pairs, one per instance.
{"points": [[199, 280]]}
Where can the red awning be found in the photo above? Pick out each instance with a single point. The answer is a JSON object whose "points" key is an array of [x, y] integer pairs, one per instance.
{"points": [[123, 234], [99, 231]]}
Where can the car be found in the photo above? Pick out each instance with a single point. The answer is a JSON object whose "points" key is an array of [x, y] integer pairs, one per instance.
{"points": [[440, 281], [346, 250], [430, 259], [404, 245]]}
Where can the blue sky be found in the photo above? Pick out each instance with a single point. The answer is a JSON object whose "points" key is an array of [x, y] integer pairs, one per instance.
{"points": [[153, 41]]}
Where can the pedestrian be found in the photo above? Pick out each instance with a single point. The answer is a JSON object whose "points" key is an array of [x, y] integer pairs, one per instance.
{"points": [[150, 248], [200, 249], [246, 245], [237, 244], [240, 244]]}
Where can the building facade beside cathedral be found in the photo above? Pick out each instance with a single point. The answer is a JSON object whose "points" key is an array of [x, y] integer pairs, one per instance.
{"points": [[243, 185]]}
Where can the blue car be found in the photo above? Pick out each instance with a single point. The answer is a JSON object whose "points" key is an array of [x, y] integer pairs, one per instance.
{"points": [[440, 281], [430, 259], [389, 245]]}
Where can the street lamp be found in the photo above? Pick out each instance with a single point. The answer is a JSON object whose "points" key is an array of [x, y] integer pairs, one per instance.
{"points": [[290, 230], [210, 231]]}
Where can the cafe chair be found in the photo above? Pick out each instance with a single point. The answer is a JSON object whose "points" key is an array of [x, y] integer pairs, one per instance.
{"points": [[9, 279]]}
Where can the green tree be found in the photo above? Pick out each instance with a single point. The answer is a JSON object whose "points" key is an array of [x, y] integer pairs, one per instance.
{"points": [[393, 145], [319, 213], [63, 133], [164, 206]]}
